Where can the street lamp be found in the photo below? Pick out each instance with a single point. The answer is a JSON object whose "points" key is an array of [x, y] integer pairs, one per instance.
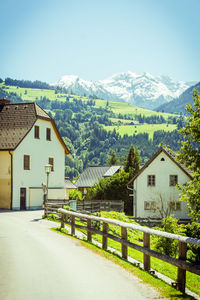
{"points": [[47, 171]]}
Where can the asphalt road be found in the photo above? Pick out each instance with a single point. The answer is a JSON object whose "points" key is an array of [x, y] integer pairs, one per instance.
{"points": [[37, 263]]}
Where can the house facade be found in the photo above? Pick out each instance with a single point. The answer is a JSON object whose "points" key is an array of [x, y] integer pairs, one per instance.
{"points": [[154, 188], [29, 140]]}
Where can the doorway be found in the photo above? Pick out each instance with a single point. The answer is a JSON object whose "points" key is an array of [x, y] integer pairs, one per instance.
{"points": [[22, 198]]}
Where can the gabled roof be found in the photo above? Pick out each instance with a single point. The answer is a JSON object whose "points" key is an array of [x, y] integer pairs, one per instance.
{"points": [[112, 170], [172, 155], [17, 119], [92, 174], [69, 184]]}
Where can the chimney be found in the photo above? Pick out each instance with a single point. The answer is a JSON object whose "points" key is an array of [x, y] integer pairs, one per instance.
{"points": [[4, 101]]}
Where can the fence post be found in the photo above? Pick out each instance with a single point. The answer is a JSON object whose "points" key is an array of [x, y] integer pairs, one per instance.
{"points": [[105, 240], [146, 244], [62, 221], [124, 237], [72, 225], [45, 209], [122, 206], [89, 233], [181, 278]]}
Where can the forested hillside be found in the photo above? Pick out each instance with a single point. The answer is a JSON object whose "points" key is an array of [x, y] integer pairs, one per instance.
{"points": [[90, 127]]}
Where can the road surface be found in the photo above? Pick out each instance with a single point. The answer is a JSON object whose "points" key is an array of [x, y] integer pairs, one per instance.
{"points": [[39, 264]]}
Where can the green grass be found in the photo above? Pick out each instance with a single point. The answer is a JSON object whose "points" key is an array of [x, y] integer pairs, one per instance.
{"points": [[164, 289], [142, 128], [126, 108], [124, 121], [32, 94]]}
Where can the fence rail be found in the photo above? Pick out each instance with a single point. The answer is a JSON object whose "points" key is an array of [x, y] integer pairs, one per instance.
{"points": [[98, 205], [153, 221], [69, 217], [51, 206]]}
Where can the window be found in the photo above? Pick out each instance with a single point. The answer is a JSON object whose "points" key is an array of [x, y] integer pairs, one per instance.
{"points": [[51, 162], [26, 162], [174, 206], [173, 180], [150, 205], [37, 132], [48, 134], [151, 180]]}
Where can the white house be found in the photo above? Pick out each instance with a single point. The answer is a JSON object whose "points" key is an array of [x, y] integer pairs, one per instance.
{"points": [[154, 186], [29, 140]]}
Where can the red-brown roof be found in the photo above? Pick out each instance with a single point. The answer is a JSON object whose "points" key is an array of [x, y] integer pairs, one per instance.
{"points": [[16, 120], [171, 155]]}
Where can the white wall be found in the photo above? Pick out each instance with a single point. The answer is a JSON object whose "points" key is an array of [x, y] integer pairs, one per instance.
{"points": [[162, 170], [39, 150]]}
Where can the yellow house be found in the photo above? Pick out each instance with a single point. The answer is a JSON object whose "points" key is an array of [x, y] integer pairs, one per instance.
{"points": [[29, 139]]}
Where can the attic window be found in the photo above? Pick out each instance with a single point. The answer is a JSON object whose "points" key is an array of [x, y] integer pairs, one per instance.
{"points": [[37, 132], [173, 180], [162, 159], [151, 180], [48, 134]]}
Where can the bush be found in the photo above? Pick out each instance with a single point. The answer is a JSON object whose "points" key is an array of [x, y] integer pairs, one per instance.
{"points": [[75, 195], [165, 245], [193, 253], [113, 188]]}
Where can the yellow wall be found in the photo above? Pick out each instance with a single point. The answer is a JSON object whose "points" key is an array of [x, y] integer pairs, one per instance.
{"points": [[5, 180]]}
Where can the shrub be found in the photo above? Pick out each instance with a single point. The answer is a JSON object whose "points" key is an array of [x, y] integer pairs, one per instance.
{"points": [[165, 245], [193, 253], [75, 195]]}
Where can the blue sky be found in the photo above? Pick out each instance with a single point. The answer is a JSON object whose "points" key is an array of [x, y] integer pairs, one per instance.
{"points": [[95, 39]]}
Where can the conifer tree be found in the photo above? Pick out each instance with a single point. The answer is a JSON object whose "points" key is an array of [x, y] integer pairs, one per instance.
{"points": [[113, 159], [132, 163]]}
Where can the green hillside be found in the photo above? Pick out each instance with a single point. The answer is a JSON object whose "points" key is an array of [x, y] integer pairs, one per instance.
{"points": [[126, 108], [93, 128], [141, 128], [30, 94]]}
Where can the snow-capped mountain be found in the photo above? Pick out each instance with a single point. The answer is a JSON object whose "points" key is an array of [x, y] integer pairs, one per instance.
{"points": [[144, 90]]}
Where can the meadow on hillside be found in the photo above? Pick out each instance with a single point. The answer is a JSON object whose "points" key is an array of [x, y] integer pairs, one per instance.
{"points": [[141, 128]]}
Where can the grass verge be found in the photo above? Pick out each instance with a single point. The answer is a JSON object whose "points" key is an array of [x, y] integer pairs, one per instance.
{"points": [[192, 280], [163, 288]]}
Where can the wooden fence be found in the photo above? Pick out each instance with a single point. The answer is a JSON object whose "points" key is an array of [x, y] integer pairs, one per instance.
{"points": [[69, 217], [98, 205], [51, 206], [153, 221]]}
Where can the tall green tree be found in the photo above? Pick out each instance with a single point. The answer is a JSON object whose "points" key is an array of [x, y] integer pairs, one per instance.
{"points": [[132, 163], [190, 155], [113, 159], [113, 188]]}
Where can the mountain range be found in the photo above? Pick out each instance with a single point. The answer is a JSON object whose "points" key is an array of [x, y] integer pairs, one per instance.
{"points": [[178, 105], [143, 90]]}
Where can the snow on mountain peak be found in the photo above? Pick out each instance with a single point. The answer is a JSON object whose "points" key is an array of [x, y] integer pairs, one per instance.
{"points": [[144, 90]]}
